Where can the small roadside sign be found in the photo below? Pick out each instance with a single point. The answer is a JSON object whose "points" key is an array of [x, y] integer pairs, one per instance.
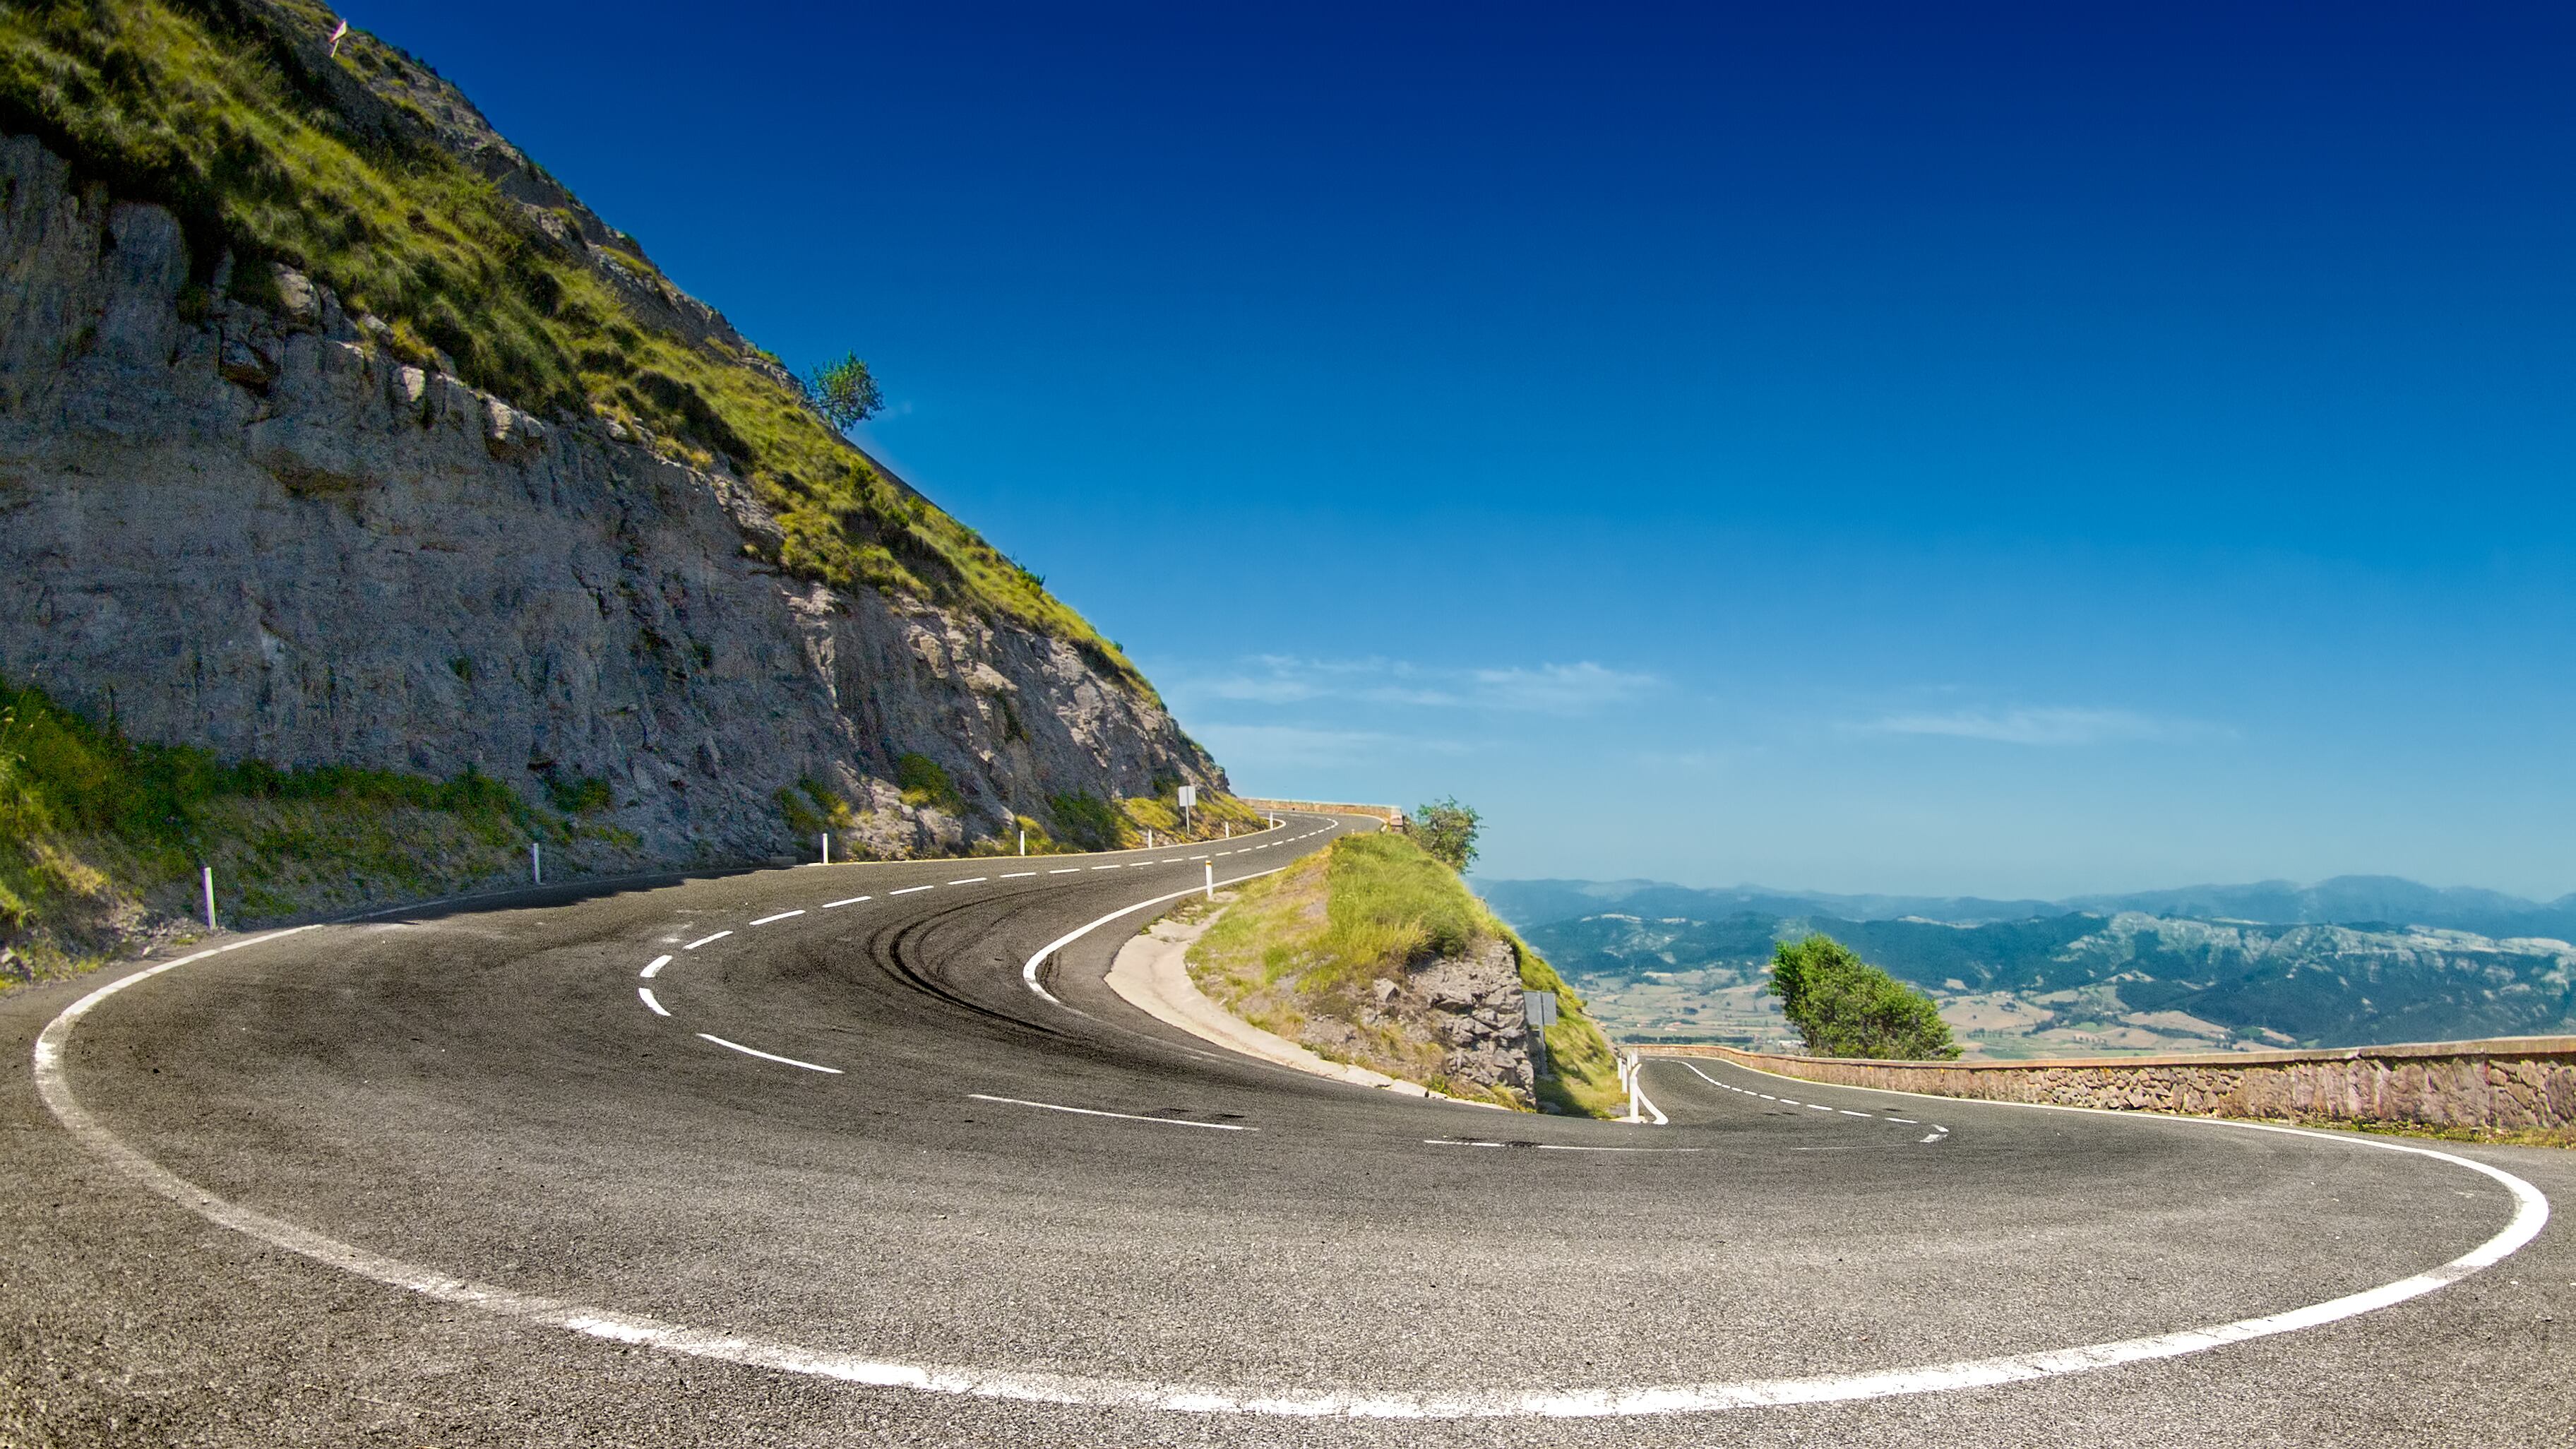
{"points": [[1538, 1008], [1189, 796]]}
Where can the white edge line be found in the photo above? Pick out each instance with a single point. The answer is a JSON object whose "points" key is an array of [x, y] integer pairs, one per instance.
{"points": [[647, 993], [2531, 1214], [706, 940], [1029, 972], [1122, 1116], [655, 969], [766, 1056]]}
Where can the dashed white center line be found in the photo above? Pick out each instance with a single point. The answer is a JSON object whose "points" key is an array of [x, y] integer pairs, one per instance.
{"points": [[656, 968], [1548, 1146], [647, 993], [1018, 874], [971, 880], [908, 890], [1105, 867], [766, 1056], [782, 915], [1068, 870], [1122, 1116], [1908, 1121], [1848, 1112], [706, 940], [852, 901]]}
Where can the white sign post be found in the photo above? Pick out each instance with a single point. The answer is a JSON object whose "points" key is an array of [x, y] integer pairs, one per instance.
{"points": [[1538, 1010], [1189, 797]]}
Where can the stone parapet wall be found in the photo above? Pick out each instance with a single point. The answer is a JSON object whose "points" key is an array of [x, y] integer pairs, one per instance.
{"points": [[2505, 1085], [1388, 813]]}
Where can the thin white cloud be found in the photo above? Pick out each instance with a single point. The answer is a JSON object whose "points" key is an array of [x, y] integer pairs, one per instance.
{"points": [[1578, 688], [2055, 725], [1251, 749], [1559, 688]]}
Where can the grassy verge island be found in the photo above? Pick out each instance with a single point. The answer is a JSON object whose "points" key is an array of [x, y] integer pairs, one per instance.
{"points": [[1375, 953]]}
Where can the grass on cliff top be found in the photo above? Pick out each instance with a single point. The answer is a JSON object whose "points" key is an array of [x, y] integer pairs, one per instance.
{"points": [[1312, 938], [97, 831], [208, 107]]}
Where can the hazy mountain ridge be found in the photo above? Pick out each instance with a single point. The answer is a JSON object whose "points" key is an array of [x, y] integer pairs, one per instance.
{"points": [[2081, 981], [2371, 900]]}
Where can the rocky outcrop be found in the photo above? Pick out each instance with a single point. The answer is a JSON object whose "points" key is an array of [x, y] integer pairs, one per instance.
{"points": [[1468, 1005], [259, 531]]}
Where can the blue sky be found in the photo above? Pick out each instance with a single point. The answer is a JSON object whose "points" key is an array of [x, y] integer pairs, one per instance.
{"points": [[1893, 448]]}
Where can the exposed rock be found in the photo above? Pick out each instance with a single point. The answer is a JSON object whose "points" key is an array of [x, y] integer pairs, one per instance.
{"points": [[266, 534]]}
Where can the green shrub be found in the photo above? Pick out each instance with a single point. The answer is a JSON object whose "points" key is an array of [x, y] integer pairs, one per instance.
{"points": [[1087, 821], [1844, 1007], [1447, 830], [923, 782]]}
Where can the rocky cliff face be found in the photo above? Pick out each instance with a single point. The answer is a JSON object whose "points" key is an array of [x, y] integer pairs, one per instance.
{"points": [[259, 531]]}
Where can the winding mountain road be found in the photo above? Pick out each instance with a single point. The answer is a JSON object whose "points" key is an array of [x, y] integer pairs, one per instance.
{"points": [[871, 1154]]}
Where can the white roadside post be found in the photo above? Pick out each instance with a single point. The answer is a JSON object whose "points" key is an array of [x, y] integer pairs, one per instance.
{"points": [[1211, 880], [1024, 840], [827, 847], [536, 863], [209, 876]]}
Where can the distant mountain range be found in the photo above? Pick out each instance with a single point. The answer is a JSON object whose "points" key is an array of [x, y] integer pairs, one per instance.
{"points": [[2345, 962], [2372, 900]]}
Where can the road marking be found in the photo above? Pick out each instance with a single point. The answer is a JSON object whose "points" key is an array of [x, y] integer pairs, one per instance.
{"points": [[647, 993], [766, 1056], [909, 890], [656, 968], [782, 915], [1202, 857], [2530, 1216], [1548, 1146], [1018, 874], [1029, 972], [1104, 867], [852, 901], [971, 880], [1937, 1136], [1123, 1116], [1068, 870], [1908, 1121], [1819, 1107], [706, 940], [1848, 1112]]}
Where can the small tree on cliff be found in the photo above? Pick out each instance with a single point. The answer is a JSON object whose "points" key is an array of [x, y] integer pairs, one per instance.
{"points": [[1447, 831], [845, 393], [1844, 1007]]}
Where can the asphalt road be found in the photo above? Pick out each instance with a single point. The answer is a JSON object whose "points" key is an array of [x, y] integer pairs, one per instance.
{"points": [[835, 1172]]}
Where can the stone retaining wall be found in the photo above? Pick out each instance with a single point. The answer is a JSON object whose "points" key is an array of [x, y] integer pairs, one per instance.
{"points": [[2508, 1084]]}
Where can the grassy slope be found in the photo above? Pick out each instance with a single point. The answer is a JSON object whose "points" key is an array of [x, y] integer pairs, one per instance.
{"points": [[211, 109], [1309, 940], [98, 835]]}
